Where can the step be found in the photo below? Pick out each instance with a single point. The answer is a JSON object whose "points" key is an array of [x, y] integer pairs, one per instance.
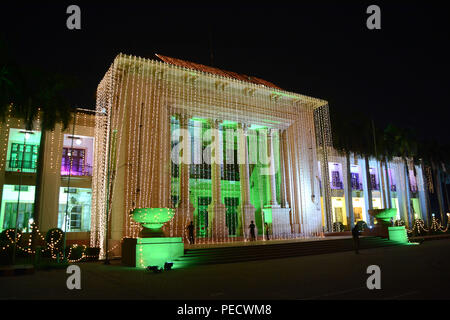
{"points": [[282, 252], [278, 246], [262, 248], [273, 251]]}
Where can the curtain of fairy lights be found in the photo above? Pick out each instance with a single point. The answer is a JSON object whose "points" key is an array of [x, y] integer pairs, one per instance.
{"points": [[323, 134], [144, 101], [398, 167]]}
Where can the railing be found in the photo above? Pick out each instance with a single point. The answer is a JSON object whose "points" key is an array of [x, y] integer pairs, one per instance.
{"points": [[357, 186], [375, 186], [85, 171], [337, 185], [21, 165], [203, 171]]}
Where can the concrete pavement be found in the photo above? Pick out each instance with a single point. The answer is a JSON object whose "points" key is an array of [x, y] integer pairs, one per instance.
{"points": [[407, 272]]}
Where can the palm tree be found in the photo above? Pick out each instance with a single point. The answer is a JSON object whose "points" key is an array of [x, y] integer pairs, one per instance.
{"points": [[41, 96], [8, 81], [352, 134], [33, 94]]}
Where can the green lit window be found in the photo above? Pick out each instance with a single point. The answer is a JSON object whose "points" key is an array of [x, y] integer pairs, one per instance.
{"points": [[25, 213], [74, 212], [23, 156]]}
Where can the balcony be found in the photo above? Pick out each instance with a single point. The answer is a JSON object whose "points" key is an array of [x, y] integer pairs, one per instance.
{"points": [[77, 156], [357, 185], [337, 185], [15, 165], [83, 171]]}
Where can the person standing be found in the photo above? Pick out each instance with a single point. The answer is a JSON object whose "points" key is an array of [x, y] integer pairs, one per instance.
{"points": [[252, 231], [190, 229], [355, 234], [266, 226]]}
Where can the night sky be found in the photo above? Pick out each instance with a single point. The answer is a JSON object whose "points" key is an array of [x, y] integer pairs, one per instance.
{"points": [[317, 48]]}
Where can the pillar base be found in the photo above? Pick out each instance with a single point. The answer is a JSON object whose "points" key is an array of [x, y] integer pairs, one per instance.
{"points": [[295, 228], [278, 220], [184, 214], [398, 234], [217, 225], [248, 212]]}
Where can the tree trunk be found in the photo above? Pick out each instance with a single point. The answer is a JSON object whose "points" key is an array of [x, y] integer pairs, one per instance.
{"points": [[447, 199], [349, 196], [427, 195], [382, 183], [446, 191], [435, 169], [409, 214], [38, 189], [369, 189], [388, 184]]}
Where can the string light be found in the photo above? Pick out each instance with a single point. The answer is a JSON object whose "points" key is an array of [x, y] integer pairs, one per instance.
{"points": [[166, 87], [142, 96]]}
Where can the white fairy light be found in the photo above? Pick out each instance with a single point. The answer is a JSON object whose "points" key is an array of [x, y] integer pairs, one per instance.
{"points": [[140, 96]]}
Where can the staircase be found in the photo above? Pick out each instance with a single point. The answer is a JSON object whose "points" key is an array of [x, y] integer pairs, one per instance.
{"points": [[217, 255]]}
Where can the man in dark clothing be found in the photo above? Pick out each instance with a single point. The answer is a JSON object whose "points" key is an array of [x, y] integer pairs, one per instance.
{"points": [[355, 234], [266, 226], [252, 231], [190, 229]]}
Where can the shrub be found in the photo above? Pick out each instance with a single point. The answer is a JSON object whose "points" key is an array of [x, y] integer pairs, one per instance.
{"points": [[55, 242], [338, 227], [75, 252], [92, 254], [361, 225]]}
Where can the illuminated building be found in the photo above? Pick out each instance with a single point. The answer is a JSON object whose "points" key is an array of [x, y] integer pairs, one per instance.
{"points": [[149, 102], [221, 148], [64, 204]]}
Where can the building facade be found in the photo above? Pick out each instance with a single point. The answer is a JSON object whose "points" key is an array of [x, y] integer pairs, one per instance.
{"points": [[66, 182], [223, 149]]}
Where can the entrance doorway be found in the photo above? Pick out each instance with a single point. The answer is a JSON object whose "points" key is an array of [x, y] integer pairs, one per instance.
{"points": [[231, 214], [202, 216]]}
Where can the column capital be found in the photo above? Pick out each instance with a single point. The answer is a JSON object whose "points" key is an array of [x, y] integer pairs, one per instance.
{"points": [[244, 126], [183, 118], [272, 131], [215, 123]]}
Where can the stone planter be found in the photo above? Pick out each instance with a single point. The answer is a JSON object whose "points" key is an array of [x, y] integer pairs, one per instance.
{"points": [[152, 219]]}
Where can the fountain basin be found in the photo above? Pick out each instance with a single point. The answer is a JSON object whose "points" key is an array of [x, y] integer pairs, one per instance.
{"points": [[383, 216], [152, 219]]}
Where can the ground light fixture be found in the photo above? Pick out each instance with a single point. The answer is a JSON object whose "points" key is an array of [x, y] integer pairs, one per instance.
{"points": [[168, 266], [154, 269]]}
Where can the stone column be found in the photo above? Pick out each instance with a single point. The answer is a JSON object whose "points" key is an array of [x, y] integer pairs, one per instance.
{"points": [[280, 216], [185, 210], [217, 228], [272, 178], [284, 168], [285, 182], [246, 209]]}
